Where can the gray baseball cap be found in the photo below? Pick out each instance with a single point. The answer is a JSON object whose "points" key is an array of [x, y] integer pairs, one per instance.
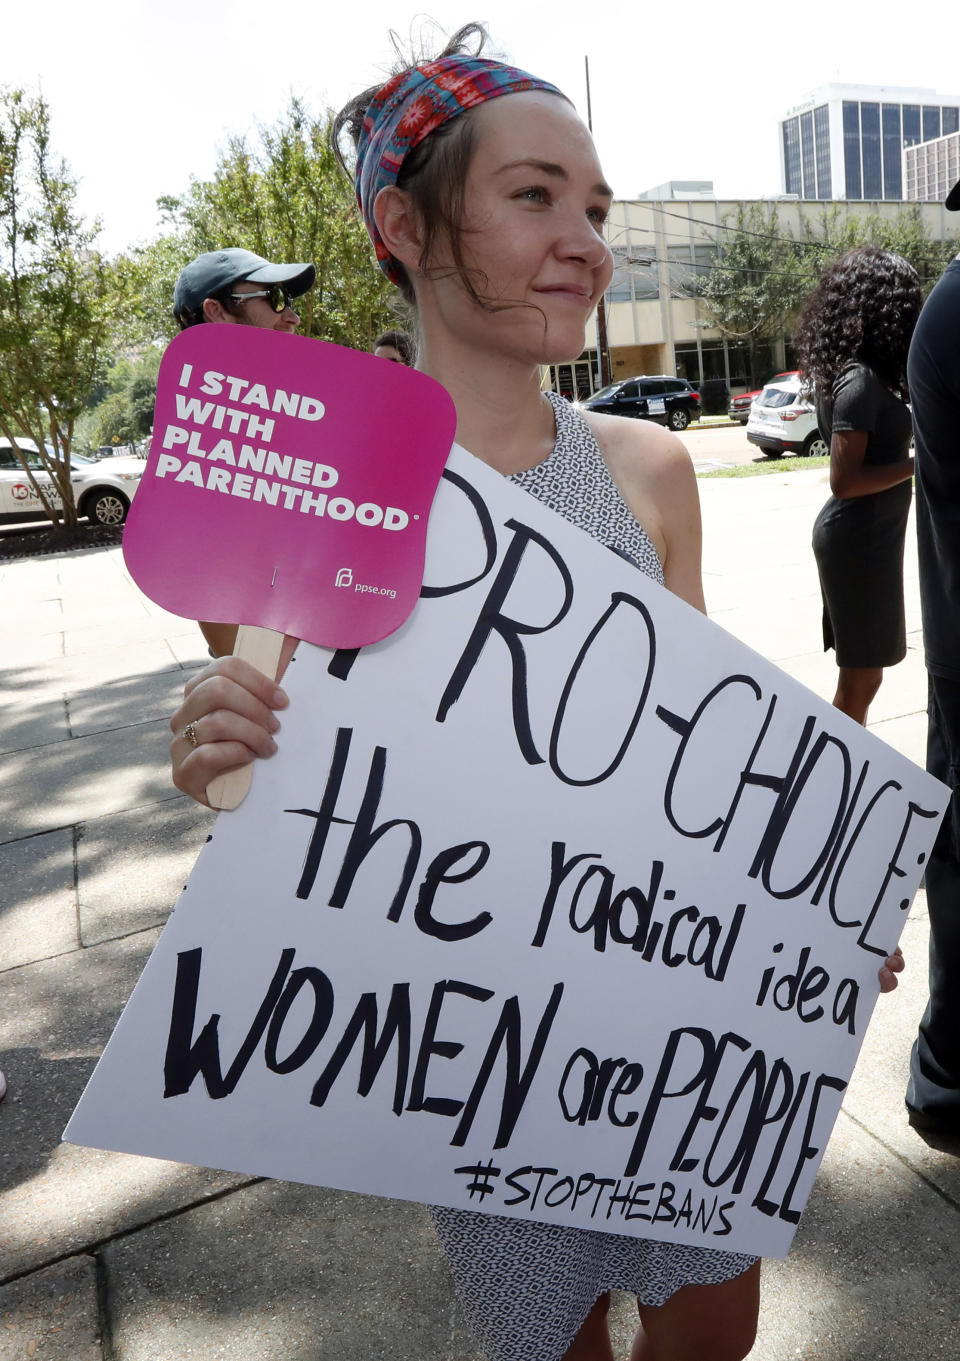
{"points": [[208, 274]]}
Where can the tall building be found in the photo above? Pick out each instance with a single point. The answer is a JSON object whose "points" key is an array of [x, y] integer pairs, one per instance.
{"points": [[847, 141], [931, 169]]}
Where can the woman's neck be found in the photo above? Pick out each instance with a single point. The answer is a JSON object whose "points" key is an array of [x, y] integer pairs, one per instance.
{"points": [[503, 417]]}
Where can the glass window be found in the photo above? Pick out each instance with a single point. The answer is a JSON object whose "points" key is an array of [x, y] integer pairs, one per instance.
{"points": [[807, 158], [870, 142], [644, 281], [949, 121], [892, 180], [851, 149], [685, 354], [652, 388], [608, 391], [683, 276], [931, 122], [821, 134], [629, 390], [791, 156], [911, 124], [619, 288]]}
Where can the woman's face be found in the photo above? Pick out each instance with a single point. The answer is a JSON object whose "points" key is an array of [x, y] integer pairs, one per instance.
{"points": [[534, 206]]}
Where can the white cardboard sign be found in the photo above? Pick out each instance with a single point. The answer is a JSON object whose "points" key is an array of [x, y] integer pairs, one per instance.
{"points": [[558, 903]]}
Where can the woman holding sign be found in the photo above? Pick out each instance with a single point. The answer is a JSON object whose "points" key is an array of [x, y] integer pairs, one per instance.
{"points": [[485, 202]]}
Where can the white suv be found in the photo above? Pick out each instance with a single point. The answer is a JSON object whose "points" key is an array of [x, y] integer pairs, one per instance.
{"points": [[103, 490], [783, 421]]}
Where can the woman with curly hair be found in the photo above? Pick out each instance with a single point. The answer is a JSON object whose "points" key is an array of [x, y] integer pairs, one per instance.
{"points": [[852, 342]]}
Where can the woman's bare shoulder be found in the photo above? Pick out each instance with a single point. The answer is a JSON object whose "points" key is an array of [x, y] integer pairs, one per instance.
{"points": [[656, 479], [640, 448]]}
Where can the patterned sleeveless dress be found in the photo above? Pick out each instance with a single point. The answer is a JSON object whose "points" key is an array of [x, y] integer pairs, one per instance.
{"points": [[527, 1287]]}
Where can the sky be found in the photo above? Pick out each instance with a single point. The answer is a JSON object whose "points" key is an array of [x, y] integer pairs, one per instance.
{"points": [[144, 95]]}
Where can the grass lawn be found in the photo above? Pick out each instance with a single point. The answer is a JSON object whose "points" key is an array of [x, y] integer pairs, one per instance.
{"points": [[794, 464]]}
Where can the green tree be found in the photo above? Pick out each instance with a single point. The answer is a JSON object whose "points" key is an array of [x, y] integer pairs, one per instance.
{"points": [[286, 198], [123, 410], [58, 298], [757, 282], [762, 276]]}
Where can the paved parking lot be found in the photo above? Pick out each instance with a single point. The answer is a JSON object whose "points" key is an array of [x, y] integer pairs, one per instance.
{"points": [[722, 445]]}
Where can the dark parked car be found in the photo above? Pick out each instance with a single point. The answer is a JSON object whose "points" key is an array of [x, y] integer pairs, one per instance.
{"points": [[669, 401]]}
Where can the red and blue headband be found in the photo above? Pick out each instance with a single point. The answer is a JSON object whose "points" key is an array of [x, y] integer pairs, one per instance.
{"points": [[411, 106]]}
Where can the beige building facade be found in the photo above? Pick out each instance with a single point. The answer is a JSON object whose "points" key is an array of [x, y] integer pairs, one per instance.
{"points": [[655, 323]]}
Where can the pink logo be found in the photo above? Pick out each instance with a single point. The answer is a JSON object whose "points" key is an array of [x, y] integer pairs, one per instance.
{"points": [[289, 485]]}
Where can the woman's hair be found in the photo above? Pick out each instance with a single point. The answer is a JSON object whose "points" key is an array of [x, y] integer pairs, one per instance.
{"points": [[864, 308], [400, 341], [433, 174]]}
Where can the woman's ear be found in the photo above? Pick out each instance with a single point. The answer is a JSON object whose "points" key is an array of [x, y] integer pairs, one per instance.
{"points": [[398, 226]]}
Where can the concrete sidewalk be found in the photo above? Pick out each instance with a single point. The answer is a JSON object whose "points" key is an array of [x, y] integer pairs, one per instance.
{"points": [[107, 1257]]}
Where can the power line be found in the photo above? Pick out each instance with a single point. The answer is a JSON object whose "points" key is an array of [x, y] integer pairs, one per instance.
{"points": [[727, 227], [740, 269]]}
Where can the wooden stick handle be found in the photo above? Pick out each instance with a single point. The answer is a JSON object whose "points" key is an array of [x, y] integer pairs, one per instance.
{"points": [[261, 648]]}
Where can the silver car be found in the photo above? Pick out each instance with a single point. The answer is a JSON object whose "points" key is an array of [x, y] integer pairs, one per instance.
{"points": [[783, 420]]}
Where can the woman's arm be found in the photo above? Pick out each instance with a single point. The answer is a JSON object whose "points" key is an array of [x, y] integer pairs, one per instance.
{"points": [[655, 476], [850, 476], [221, 638], [679, 500]]}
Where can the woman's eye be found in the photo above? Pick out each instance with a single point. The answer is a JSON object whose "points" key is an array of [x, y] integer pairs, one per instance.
{"points": [[597, 216], [534, 194]]}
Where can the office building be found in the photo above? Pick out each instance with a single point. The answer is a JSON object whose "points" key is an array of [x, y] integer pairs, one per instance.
{"points": [[847, 141], [931, 169]]}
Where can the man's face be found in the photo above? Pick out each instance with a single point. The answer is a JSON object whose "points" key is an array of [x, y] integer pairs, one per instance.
{"points": [[257, 312]]}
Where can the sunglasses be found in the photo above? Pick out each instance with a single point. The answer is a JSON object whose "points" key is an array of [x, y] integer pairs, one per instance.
{"points": [[277, 296]]}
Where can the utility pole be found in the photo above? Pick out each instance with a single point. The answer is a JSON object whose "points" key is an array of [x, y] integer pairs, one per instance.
{"points": [[606, 375]]}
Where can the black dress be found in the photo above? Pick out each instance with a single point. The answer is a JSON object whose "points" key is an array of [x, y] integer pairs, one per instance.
{"points": [[858, 540]]}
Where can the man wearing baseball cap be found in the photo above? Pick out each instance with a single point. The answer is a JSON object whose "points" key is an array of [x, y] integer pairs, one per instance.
{"points": [[241, 288], [933, 375]]}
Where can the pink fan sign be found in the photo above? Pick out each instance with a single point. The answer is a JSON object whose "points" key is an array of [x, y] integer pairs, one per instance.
{"points": [[289, 485]]}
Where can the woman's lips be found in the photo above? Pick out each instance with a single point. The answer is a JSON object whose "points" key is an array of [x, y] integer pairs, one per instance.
{"points": [[573, 292]]}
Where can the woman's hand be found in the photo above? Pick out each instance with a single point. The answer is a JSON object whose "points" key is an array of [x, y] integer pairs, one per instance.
{"points": [[228, 711], [892, 965]]}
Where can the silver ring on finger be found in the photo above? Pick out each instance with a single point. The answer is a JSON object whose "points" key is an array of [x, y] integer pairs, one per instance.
{"points": [[190, 734]]}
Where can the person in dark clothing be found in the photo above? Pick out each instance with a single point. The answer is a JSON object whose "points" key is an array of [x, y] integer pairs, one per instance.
{"points": [[852, 342], [933, 1092]]}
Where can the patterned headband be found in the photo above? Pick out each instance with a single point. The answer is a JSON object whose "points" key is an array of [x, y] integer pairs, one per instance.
{"points": [[411, 106]]}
